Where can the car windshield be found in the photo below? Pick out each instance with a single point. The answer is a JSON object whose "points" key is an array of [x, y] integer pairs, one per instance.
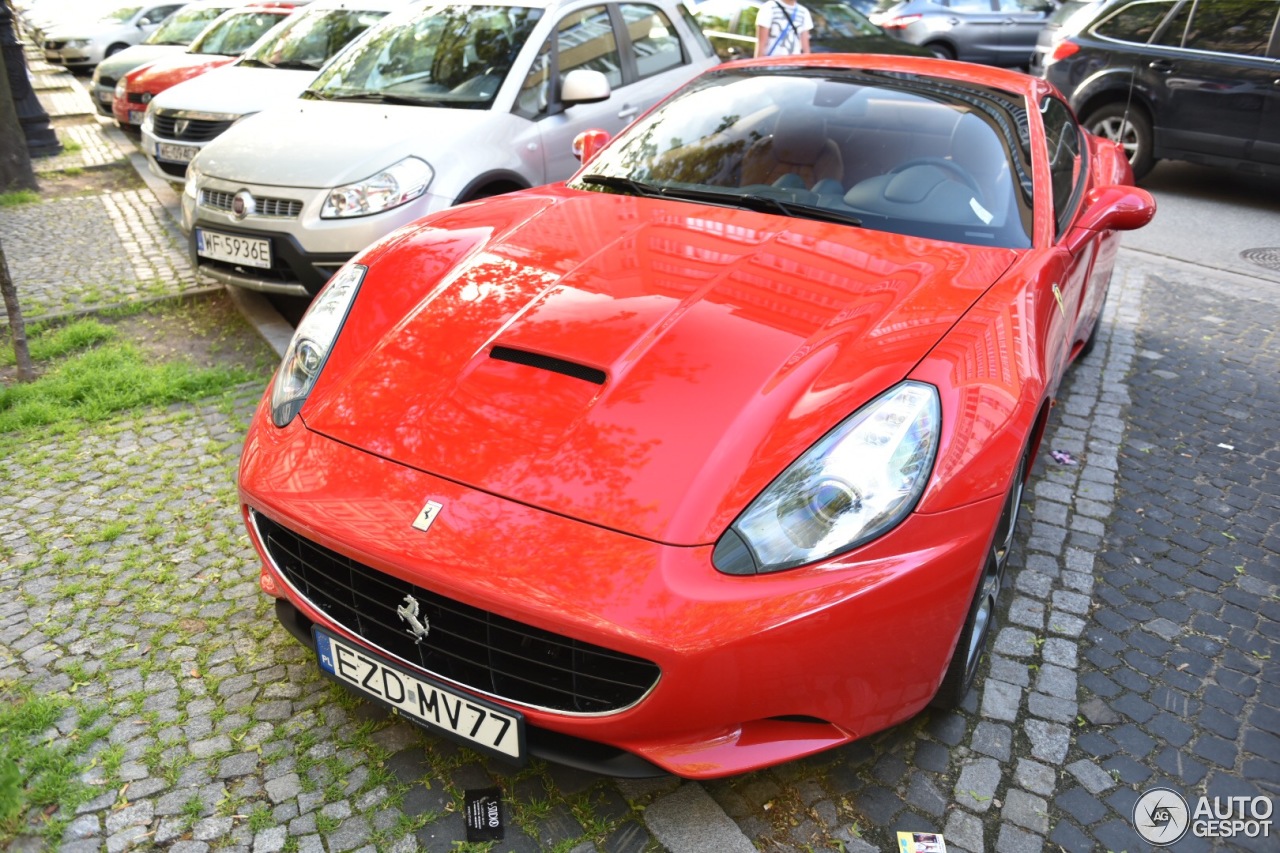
{"points": [[454, 56], [183, 26], [892, 152], [120, 15], [308, 40], [232, 35], [835, 19]]}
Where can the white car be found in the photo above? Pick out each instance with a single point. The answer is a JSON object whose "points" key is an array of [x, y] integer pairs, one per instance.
{"points": [[183, 119], [436, 105], [83, 45], [175, 33]]}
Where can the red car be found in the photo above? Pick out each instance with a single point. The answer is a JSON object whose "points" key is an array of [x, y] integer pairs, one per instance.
{"points": [[711, 457], [219, 44]]}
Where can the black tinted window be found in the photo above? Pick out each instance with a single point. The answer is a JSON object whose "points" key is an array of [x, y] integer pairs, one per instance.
{"points": [[1062, 135], [1231, 26], [1135, 22]]}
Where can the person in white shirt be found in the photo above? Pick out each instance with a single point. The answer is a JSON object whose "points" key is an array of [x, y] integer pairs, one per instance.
{"points": [[782, 28]]}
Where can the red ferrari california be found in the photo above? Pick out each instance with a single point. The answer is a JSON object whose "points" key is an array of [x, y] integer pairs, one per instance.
{"points": [[711, 457]]}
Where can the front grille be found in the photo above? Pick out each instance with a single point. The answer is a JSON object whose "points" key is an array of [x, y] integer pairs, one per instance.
{"points": [[54, 45], [165, 124], [135, 97], [466, 645], [107, 82], [277, 208]]}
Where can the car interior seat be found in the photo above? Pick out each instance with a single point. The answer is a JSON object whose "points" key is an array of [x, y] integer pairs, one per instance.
{"points": [[797, 155]]}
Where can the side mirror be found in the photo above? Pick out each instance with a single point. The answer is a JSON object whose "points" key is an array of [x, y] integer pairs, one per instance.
{"points": [[587, 144], [1121, 208], [583, 86]]}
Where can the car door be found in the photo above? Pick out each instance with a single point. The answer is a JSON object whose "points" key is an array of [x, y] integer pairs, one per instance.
{"points": [[639, 51], [974, 26], [1216, 81], [1077, 301], [1023, 21]]}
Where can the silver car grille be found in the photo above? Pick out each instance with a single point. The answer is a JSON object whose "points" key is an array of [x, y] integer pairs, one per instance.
{"points": [[275, 208]]}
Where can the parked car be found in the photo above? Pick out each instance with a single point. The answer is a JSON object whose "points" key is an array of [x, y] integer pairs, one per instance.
{"points": [[1176, 80], [234, 32], [85, 44], [838, 27], [650, 469], [183, 119], [436, 105], [171, 37], [993, 32]]}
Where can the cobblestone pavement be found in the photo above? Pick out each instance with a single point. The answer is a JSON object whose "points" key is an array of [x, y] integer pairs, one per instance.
{"points": [[1137, 647]]}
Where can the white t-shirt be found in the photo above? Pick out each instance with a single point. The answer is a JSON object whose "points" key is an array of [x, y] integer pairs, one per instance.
{"points": [[784, 36]]}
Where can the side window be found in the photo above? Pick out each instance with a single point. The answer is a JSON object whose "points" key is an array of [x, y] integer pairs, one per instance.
{"points": [[970, 5], [655, 46], [1223, 26], [1066, 166], [1135, 23], [585, 40], [704, 44], [535, 91]]}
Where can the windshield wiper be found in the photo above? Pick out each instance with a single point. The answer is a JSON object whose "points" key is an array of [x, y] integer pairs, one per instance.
{"points": [[796, 209], [615, 182], [373, 97], [296, 65], [250, 62]]}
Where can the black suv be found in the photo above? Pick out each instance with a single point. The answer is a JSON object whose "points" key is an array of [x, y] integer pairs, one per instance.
{"points": [[1195, 80]]}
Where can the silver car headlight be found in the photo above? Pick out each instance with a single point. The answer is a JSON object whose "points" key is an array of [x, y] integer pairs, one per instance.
{"points": [[191, 187], [78, 43], [121, 89], [390, 188], [857, 483], [312, 342]]}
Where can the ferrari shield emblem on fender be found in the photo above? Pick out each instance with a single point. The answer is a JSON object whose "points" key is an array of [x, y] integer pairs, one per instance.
{"points": [[428, 515]]}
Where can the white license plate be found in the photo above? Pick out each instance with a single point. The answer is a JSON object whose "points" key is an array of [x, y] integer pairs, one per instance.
{"points": [[477, 723], [249, 251], [136, 116], [106, 96], [174, 153]]}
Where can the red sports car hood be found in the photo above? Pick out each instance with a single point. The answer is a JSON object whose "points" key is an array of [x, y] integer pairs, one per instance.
{"points": [[648, 366]]}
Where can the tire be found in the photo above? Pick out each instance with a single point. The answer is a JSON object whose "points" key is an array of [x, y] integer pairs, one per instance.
{"points": [[114, 49], [1092, 341], [1132, 132], [979, 624], [940, 50]]}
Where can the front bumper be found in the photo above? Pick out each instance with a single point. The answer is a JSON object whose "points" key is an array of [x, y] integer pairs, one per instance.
{"points": [[306, 250], [754, 670]]}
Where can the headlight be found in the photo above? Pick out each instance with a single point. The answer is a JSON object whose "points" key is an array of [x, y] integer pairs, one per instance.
{"points": [[120, 89], [191, 188], [79, 43], [311, 344], [390, 188], [855, 484]]}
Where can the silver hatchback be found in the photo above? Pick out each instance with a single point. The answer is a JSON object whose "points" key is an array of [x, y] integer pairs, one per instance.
{"points": [[439, 104]]}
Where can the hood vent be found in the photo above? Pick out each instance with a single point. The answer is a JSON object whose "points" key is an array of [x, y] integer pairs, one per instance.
{"points": [[546, 362]]}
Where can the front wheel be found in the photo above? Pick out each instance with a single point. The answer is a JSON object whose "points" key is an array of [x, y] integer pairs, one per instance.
{"points": [[941, 51], [980, 623], [1129, 126]]}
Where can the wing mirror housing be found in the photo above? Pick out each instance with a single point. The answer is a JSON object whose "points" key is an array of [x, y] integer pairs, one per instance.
{"points": [[587, 144], [1119, 208], [584, 86]]}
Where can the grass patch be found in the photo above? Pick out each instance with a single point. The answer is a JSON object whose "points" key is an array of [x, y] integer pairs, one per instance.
{"points": [[50, 343], [17, 197], [33, 775], [94, 385]]}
